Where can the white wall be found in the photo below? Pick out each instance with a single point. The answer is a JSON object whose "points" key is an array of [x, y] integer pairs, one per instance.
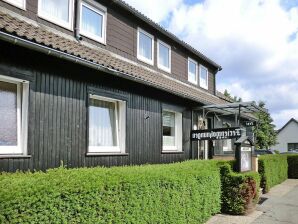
{"points": [[288, 135]]}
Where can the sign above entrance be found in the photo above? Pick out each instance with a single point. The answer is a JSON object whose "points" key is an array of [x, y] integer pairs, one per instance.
{"points": [[216, 134], [250, 123]]}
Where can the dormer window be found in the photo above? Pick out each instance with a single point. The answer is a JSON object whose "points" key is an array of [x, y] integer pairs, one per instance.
{"points": [[163, 56], [19, 3], [59, 12], [203, 77], [192, 71], [145, 47], [93, 22]]}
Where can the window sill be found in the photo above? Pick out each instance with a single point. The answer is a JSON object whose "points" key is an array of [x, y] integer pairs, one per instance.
{"points": [[106, 154], [172, 152], [11, 156]]}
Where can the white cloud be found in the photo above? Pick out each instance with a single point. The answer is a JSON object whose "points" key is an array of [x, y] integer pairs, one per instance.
{"points": [[255, 41], [155, 9]]}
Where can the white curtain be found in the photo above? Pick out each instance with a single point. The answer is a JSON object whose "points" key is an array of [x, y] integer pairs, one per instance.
{"points": [[8, 114], [168, 122], [56, 8], [102, 123], [91, 21]]}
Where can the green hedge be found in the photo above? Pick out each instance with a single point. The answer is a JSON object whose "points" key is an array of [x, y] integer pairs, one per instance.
{"points": [[273, 170], [240, 191], [293, 166], [187, 192]]}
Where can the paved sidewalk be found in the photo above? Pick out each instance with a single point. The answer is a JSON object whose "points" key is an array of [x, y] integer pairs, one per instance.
{"points": [[280, 206]]}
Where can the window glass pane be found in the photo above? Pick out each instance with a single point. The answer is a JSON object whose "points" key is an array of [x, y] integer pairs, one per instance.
{"points": [[203, 76], [91, 21], [168, 120], [8, 114], [145, 46], [102, 123], [56, 8], [164, 56], [192, 70]]}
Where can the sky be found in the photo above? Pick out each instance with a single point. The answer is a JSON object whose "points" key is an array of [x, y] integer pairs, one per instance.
{"points": [[255, 41]]}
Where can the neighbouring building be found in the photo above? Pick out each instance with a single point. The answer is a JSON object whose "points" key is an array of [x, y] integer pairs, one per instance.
{"points": [[96, 83], [287, 137]]}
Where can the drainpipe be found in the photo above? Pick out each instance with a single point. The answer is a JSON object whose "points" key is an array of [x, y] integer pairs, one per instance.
{"points": [[77, 22]]}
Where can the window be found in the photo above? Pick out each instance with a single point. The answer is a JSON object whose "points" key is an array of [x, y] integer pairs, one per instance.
{"points": [[93, 22], [163, 56], [292, 147], [106, 125], [19, 3], [227, 145], [192, 71], [203, 77], [145, 47], [13, 115], [172, 131], [59, 12]]}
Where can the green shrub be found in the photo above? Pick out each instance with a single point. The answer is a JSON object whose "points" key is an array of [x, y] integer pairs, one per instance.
{"points": [[187, 192], [293, 166], [240, 191], [273, 170]]}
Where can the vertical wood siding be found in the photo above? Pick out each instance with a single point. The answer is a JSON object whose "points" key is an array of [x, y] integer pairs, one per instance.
{"points": [[58, 114]]}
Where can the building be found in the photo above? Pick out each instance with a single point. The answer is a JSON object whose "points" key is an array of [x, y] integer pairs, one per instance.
{"points": [[97, 83], [287, 137]]}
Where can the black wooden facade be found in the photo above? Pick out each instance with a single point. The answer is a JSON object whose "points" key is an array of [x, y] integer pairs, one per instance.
{"points": [[58, 104]]}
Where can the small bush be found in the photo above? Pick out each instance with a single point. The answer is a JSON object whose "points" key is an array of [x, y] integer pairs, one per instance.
{"points": [[187, 192], [293, 166], [240, 191], [273, 170]]}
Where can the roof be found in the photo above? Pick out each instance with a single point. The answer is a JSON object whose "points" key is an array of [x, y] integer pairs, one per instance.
{"points": [[26, 33], [145, 19], [224, 97], [291, 120]]}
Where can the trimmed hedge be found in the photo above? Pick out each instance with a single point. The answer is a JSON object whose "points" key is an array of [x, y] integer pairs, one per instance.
{"points": [[187, 192], [273, 170], [240, 191], [293, 166]]}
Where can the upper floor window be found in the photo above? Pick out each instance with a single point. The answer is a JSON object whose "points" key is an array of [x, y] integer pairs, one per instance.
{"points": [[145, 47], [13, 115], [59, 12], [19, 3], [203, 77], [163, 56], [93, 22], [192, 71], [172, 130], [106, 125]]}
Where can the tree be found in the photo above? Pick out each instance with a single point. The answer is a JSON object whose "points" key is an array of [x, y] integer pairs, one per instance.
{"points": [[264, 132]]}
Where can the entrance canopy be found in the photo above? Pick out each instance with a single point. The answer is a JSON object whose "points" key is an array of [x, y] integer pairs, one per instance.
{"points": [[244, 109]]}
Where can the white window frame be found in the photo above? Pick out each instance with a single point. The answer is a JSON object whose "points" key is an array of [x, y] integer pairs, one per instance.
{"points": [[22, 117], [101, 10], [14, 3], [188, 71], [140, 57], [120, 114], [178, 133], [160, 66], [58, 22], [201, 80], [229, 147]]}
